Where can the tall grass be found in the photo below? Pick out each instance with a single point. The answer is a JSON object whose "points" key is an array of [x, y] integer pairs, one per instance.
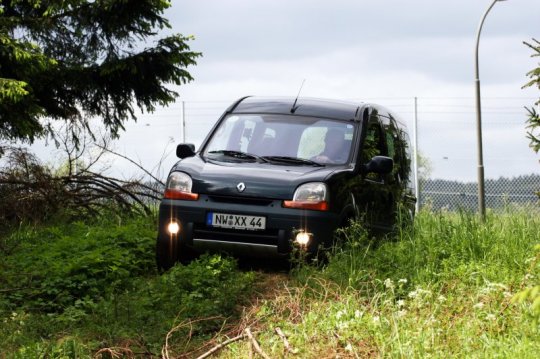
{"points": [[442, 289], [71, 290]]}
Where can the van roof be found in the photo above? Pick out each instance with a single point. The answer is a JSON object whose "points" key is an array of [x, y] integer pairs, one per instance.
{"points": [[316, 107]]}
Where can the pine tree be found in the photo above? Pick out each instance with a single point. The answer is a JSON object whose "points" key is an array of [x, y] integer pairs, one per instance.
{"points": [[534, 117], [71, 60]]}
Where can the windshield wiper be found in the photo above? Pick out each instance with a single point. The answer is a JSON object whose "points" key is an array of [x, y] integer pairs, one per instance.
{"points": [[239, 155], [293, 160]]}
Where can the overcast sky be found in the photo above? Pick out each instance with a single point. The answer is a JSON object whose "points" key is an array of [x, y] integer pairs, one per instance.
{"points": [[355, 49], [384, 51]]}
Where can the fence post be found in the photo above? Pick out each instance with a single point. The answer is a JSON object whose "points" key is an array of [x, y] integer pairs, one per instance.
{"points": [[415, 163], [183, 122]]}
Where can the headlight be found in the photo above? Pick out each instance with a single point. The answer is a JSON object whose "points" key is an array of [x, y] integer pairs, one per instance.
{"points": [[313, 195], [179, 187]]}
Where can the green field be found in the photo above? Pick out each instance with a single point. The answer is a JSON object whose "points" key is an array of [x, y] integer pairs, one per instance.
{"points": [[441, 289]]}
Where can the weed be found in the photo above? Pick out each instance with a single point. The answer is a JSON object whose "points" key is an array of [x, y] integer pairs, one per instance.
{"points": [[98, 283], [443, 289]]}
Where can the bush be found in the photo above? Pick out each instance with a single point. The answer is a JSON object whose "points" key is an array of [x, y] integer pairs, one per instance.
{"points": [[81, 287]]}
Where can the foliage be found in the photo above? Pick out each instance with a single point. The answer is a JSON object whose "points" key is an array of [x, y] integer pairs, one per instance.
{"points": [[27, 184], [50, 278], [70, 290], [443, 290], [534, 117], [532, 294], [77, 59]]}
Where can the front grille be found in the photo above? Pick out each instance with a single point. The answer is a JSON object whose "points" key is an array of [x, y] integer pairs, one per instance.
{"points": [[269, 237], [240, 200]]}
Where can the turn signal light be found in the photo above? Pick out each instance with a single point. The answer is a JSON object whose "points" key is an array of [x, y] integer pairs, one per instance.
{"points": [[316, 206], [175, 194]]}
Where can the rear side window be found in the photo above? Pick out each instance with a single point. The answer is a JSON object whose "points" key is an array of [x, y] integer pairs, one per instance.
{"points": [[397, 142]]}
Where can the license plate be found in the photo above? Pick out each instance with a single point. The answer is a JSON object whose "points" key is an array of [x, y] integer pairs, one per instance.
{"points": [[236, 221]]}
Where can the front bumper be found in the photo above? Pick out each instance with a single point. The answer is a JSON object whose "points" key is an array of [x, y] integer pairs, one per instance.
{"points": [[276, 240]]}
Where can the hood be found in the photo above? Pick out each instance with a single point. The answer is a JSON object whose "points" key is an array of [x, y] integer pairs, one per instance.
{"points": [[263, 180]]}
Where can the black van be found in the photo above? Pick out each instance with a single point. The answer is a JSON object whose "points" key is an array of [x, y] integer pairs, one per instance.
{"points": [[274, 173]]}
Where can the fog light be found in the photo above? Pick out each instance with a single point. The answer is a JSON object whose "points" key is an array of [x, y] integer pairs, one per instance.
{"points": [[303, 238], [173, 228]]}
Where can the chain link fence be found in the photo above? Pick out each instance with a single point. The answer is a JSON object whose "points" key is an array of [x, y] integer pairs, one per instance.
{"points": [[448, 156]]}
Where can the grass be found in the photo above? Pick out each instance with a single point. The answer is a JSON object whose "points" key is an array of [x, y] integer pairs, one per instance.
{"points": [[70, 290], [443, 289]]}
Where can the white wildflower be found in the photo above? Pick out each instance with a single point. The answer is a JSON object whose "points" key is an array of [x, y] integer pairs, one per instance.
{"points": [[339, 314], [358, 314], [441, 298], [478, 305], [376, 319], [388, 283], [400, 303], [349, 347], [402, 281], [491, 316]]}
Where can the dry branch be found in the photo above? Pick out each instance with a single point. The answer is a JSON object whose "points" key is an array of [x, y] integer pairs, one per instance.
{"points": [[222, 345], [133, 162], [255, 344], [288, 347], [32, 192]]}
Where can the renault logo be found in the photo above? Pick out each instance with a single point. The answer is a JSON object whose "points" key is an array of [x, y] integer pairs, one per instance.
{"points": [[241, 187]]}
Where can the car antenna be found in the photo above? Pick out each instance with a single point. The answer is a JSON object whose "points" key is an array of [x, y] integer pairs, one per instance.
{"points": [[293, 108]]}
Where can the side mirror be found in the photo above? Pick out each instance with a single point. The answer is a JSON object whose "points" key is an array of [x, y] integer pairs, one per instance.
{"points": [[185, 150], [379, 164]]}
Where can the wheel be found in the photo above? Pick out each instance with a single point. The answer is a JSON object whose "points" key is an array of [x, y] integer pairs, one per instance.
{"points": [[170, 250], [186, 254]]}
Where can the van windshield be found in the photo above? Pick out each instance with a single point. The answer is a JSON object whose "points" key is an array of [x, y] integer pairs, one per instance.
{"points": [[293, 140]]}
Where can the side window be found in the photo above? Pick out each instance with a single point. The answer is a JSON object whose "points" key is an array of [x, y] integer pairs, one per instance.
{"points": [[373, 146], [406, 170], [391, 138], [398, 149], [394, 146]]}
